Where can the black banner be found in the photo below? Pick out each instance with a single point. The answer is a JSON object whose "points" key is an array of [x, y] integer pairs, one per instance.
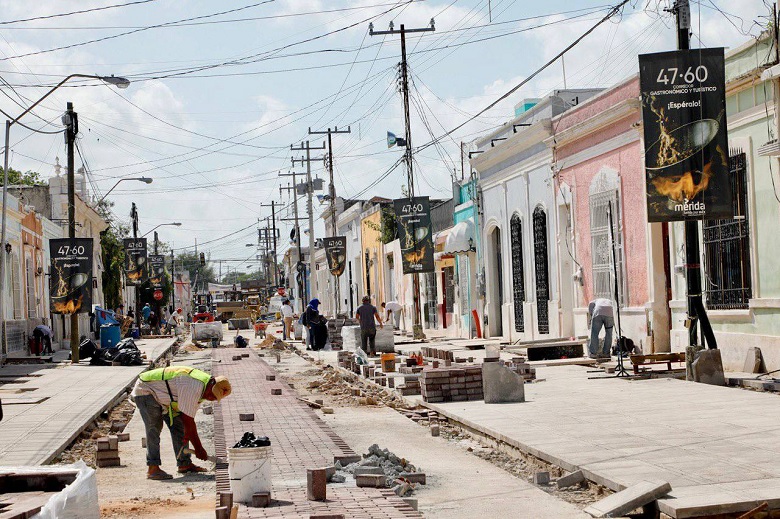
{"points": [[70, 283], [414, 233], [136, 268], [686, 150], [157, 271], [336, 252]]}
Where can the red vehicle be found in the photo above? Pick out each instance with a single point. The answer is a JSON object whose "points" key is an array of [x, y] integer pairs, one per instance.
{"points": [[203, 315]]}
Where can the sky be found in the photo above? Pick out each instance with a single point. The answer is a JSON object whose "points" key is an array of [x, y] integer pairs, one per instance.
{"points": [[221, 90]]}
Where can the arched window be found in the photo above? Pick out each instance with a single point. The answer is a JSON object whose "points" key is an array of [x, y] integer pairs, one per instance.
{"points": [[518, 273], [542, 271]]}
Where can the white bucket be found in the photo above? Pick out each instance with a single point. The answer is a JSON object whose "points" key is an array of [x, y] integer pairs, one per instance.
{"points": [[249, 470]]}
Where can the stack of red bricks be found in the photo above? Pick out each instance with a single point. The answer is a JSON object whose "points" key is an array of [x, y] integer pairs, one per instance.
{"points": [[107, 454], [451, 384], [437, 353], [522, 368]]}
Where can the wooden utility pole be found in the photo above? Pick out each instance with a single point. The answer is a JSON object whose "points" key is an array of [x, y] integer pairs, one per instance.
{"points": [[300, 267], [332, 194], [417, 317], [71, 130]]}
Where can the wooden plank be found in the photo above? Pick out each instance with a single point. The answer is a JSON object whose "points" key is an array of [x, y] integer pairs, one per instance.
{"points": [[658, 358]]}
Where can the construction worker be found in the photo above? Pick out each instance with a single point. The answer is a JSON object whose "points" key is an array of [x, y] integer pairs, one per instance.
{"points": [[172, 395]]}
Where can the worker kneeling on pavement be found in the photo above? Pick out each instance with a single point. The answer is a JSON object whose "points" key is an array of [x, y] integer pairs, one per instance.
{"points": [[172, 395]]}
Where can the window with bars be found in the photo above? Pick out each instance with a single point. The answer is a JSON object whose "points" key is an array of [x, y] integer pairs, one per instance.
{"points": [[728, 283], [30, 286], [603, 198], [518, 281], [542, 270]]}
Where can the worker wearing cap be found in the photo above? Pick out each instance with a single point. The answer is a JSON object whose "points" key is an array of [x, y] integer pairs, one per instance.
{"points": [[173, 395]]}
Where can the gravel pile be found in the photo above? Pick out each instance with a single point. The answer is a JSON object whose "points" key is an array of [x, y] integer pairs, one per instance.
{"points": [[391, 465]]}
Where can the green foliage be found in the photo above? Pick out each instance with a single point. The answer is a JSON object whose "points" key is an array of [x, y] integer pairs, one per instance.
{"points": [[16, 178], [190, 262], [389, 225], [113, 254]]}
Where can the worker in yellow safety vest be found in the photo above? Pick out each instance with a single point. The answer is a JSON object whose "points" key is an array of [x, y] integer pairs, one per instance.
{"points": [[172, 395]]}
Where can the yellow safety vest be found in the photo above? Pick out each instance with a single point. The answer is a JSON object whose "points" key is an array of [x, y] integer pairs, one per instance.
{"points": [[166, 374]]}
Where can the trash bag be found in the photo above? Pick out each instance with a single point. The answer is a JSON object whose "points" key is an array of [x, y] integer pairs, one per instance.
{"points": [[250, 440], [87, 349]]}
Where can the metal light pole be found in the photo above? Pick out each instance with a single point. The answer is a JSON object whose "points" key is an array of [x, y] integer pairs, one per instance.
{"points": [[145, 180], [176, 224], [119, 82]]}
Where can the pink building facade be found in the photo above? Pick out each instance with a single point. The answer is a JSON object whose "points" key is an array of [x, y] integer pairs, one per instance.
{"points": [[598, 167]]}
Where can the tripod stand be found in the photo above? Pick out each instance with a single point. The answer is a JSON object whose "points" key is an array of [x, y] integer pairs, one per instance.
{"points": [[620, 370]]}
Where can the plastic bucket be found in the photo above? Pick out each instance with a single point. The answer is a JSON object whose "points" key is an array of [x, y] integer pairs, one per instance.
{"points": [[249, 470], [388, 362]]}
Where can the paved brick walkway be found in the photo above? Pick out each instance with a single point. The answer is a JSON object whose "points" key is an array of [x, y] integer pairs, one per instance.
{"points": [[47, 406], [299, 441]]}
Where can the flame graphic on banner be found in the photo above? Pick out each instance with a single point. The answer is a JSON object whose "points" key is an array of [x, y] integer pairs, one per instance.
{"points": [[681, 188], [69, 306]]}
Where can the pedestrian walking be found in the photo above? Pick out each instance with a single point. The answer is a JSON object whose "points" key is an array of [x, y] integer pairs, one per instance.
{"points": [[173, 395], [287, 319], [392, 308], [366, 314], [601, 315]]}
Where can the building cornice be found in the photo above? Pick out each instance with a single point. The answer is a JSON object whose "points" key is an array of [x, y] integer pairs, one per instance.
{"points": [[517, 143], [599, 121]]}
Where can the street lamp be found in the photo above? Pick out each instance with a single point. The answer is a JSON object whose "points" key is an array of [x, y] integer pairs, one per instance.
{"points": [[176, 224], [145, 180], [118, 82]]}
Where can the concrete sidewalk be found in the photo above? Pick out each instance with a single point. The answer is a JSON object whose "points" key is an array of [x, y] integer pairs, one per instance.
{"points": [[717, 446], [47, 406]]}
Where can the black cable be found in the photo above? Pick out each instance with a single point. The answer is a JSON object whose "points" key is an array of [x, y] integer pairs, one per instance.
{"points": [[60, 15]]}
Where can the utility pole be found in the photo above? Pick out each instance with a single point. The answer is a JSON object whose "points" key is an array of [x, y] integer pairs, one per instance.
{"points": [[134, 218], [275, 279], [417, 317], [696, 311], [71, 130], [298, 277], [309, 204], [332, 194], [173, 282]]}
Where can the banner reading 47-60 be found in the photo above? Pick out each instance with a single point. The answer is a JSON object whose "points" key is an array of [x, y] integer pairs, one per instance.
{"points": [[414, 233], [336, 252], [686, 151], [70, 284], [136, 268]]}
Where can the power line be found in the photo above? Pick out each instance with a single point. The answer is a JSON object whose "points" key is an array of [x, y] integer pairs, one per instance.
{"points": [[60, 15]]}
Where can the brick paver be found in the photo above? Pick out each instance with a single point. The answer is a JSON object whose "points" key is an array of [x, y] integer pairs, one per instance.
{"points": [[55, 403], [299, 441]]}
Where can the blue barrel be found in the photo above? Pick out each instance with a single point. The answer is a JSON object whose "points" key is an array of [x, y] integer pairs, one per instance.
{"points": [[110, 335]]}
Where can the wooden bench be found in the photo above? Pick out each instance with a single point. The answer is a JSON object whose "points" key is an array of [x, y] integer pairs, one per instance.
{"points": [[656, 358]]}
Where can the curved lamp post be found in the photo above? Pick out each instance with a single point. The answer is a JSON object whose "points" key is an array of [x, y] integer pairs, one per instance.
{"points": [[176, 224], [118, 82], [145, 180]]}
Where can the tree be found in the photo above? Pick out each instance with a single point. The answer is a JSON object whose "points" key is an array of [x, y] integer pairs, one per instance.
{"points": [[16, 178], [113, 254], [189, 261]]}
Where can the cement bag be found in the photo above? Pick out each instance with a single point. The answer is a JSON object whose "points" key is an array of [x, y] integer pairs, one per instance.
{"points": [[79, 500]]}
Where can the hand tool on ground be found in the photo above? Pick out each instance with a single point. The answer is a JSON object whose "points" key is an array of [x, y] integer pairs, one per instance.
{"points": [[213, 459]]}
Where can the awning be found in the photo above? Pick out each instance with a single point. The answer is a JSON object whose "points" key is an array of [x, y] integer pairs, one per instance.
{"points": [[459, 236], [771, 73]]}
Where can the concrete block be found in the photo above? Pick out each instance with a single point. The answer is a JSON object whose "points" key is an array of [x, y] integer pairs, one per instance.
{"points": [[261, 499], [106, 455], [346, 459], [327, 410], [123, 437], [636, 495], [143, 442], [113, 442], [575, 478], [246, 417], [753, 361], [435, 431], [276, 391], [245, 355], [226, 499], [501, 384], [319, 401], [270, 378], [222, 512], [110, 462], [359, 471], [542, 478], [413, 477], [316, 483], [371, 480], [411, 501], [104, 445], [708, 368]]}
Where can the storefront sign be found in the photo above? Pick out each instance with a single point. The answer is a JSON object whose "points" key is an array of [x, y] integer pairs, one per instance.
{"points": [[70, 284], [414, 233], [336, 252], [136, 268], [686, 151]]}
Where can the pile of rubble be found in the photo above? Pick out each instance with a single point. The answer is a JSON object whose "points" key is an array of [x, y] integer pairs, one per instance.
{"points": [[381, 468], [350, 390]]}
